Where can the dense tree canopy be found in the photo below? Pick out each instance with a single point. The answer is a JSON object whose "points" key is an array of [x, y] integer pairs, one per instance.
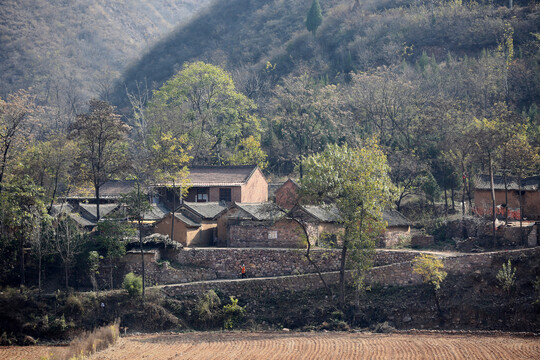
{"points": [[356, 181]]}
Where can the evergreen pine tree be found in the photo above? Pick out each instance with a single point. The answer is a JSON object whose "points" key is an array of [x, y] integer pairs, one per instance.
{"points": [[314, 17]]}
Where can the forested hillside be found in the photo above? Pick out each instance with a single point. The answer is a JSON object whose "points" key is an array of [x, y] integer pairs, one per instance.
{"points": [[419, 74], [79, 45], [242, 35]]}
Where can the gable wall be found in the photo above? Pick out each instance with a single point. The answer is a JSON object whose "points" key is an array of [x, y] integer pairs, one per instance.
{"points": [[255, 190], [287, 195], [180, 230]]}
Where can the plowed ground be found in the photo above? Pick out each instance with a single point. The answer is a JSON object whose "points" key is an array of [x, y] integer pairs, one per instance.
{"points": [[244, 345]]}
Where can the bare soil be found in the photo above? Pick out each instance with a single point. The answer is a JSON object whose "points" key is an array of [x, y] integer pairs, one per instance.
{"points": [[293, 345]]}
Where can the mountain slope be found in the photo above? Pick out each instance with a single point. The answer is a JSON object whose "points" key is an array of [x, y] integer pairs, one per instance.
{"points": [[84, 41], [242, 35]]}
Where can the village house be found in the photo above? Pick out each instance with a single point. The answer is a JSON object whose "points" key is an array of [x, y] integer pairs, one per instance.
{"points": [[258, 225], [321, 222], [397, 228], [243, 183], [195, 224], [530, 197]]}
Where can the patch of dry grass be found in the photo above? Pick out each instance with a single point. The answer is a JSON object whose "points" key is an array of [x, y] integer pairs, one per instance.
{"points": [[88, 343]]}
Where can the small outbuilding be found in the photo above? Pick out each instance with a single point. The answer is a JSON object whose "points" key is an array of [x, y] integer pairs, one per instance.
{"points": [[258, 225], [194, 223]]}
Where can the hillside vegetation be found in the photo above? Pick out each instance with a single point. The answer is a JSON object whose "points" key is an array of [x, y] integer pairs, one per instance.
{"points": [[83, 44], [242, 35]]}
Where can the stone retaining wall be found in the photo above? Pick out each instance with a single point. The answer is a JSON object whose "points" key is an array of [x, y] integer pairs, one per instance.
{"points": [[399, 274], [198, 264]]}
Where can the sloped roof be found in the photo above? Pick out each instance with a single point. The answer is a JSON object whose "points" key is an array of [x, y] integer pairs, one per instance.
{"points": [[186, 220], [61, 208], [91, 210], [112, 189], [395, 218], [261, 211], [155, 213], [206, 210], [67, 209], [323, 213], [220, 175], [532, 183], [82, 221]]}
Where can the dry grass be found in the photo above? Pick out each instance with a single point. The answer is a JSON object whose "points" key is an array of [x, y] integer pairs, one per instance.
{"points": [[89, 343]]}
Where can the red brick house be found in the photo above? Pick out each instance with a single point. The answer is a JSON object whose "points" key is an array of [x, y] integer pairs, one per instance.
{"points": [[287, 195], [258, 225], [245, 183], [530, 197]]}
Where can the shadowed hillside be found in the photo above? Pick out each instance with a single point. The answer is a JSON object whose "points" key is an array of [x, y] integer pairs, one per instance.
{"points": [[84, 44], [242, 35]]}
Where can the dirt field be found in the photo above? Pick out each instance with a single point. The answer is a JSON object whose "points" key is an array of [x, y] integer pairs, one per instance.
{"points": [[245, 345]]}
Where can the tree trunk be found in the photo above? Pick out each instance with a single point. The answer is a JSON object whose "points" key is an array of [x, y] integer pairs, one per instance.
{"points": [[22, 270], [66, 273], [111, 264], [308, 257], [140, 238], [173, 210], [453, 192], [492, 187], [439, 310], [464, 178], [520, 213], [445, 200], [39, 272], [342, 272], [505, 199], [97, 203]]}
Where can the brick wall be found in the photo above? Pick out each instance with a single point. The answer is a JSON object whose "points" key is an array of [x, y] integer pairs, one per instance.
{"points": [[288, 233]]}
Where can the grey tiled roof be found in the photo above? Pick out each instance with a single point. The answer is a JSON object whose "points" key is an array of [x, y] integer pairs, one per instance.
{"points": [[531, 183], [262, 211], [112, 189], [220, 175], [156, 212], [91, 210], [61, 208], [186, 220], [323, 213], [82, 221], [207, 210], [395, 218]]}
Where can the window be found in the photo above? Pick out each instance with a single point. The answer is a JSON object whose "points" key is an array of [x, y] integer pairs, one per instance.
{"points": [[202, 195], [225, 195], [272, 234]]}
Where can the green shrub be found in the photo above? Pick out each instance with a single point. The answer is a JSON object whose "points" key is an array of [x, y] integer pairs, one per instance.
{"points": [[208, 308], [59, 325], [74, 306], [132, 284], [233, 313], [506, 277]]}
